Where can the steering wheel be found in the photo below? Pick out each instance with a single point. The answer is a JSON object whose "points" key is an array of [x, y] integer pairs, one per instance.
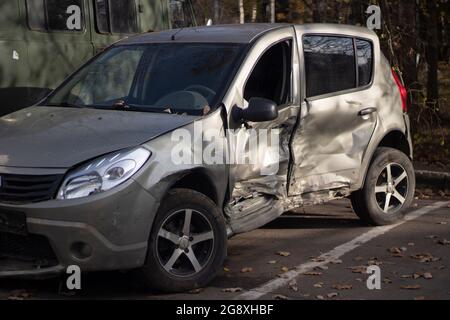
{"points": [[204, 91], [183, 100]]}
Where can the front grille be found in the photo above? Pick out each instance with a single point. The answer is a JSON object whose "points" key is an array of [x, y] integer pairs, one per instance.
{"points": [[21, 189], [30, 248]]}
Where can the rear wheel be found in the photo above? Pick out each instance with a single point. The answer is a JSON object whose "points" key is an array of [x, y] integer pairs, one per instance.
{"points": [[388, 190], [187, 245]]}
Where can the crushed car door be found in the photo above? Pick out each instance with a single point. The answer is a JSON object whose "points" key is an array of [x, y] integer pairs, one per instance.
{"points": [[337, 118], [259, 176]]}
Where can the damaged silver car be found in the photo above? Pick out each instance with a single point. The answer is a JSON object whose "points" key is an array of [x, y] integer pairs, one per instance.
{"points": [[96, 175]]}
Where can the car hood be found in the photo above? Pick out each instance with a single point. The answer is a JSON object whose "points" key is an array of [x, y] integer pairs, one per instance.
{"points": [[53, 137]]}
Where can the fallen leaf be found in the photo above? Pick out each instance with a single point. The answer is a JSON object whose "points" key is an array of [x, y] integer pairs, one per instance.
{"points": [[283, 253], [318, 285], [332, 295], [225, 269], [416, 276], [358, 269], [411, 287], [317, 259], [285, 269], [19, 295], [246, 270], [313, 273], [431, 237], [442, 223], [342, 286], [397, 252], [427, 275], [280, 297], [406, 276], [322, 268], [272, 262], [293, 285], [232, 290], [444, 242], [387, 280], [337, 261], [320, 297], [425, 257], [196, 291]]}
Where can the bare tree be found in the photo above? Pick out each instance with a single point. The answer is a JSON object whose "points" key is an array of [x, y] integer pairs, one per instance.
{"points": [[216, 11], [272, 11], [254, 10], [241, 12]]}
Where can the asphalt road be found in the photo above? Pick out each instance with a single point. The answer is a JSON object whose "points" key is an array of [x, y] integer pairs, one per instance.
{"points": [[326, 252]]}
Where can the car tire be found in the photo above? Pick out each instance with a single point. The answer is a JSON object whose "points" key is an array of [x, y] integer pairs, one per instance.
{"points": [[388, 189], [182, 258]]}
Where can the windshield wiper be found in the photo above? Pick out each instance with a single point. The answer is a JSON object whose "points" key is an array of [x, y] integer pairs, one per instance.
{"points": [[123, 105]]}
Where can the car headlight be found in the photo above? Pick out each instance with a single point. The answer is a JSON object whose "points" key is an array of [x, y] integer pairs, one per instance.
{"points": [[103, 173]]}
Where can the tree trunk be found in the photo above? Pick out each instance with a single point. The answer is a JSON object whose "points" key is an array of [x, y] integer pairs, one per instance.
{"points": [[241, 12], [254, 10], [432, 53], [216, 11], [272, 11]]}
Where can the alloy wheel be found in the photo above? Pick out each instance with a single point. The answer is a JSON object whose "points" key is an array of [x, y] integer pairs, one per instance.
{"points": [[391, 188], [185, 243]]}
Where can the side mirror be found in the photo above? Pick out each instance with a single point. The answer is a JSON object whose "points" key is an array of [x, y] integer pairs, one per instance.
{"points": [[259, 110]]}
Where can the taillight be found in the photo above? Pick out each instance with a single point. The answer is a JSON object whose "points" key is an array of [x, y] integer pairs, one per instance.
{"points": [[402, 89]]}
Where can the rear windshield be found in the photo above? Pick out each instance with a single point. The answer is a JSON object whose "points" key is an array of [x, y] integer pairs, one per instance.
{"points": [[174, 78]]}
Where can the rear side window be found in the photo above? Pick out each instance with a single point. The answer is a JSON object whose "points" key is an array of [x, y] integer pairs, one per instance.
{"points": [[330, 64], [365, 61], [55, 15], [116, 16]]}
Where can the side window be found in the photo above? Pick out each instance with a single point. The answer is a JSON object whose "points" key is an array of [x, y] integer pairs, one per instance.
{"points": [[365, 61], [330, 64], [271, 77], [116, 16], [181, 14], [55, 15]]}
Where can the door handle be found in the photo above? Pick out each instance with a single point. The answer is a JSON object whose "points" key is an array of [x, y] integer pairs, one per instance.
{"points": [[367, 111]]}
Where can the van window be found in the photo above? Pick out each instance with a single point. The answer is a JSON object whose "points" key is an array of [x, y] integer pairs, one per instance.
{"points": [[55, 15], [365, 61], [330, 64], [116, 16], [271, 77]]}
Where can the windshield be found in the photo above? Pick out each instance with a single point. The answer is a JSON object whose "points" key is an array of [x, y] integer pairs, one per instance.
{"points": [[175, 78]]}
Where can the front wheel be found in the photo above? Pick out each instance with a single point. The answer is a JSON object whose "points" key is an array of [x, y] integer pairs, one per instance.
{"points": [[188, 243], [388, 190]]}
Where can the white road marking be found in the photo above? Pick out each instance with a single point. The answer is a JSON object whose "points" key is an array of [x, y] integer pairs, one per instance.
{"points": [[333, 255]]}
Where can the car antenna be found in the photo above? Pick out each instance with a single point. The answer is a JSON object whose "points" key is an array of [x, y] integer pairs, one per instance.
{"points": [[176, 33]]}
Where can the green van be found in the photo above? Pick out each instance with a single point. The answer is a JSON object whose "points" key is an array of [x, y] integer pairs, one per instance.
{"points": [[43, 41]]}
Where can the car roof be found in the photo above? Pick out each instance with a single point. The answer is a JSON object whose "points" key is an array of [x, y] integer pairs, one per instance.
{"points": [[236, 33]]}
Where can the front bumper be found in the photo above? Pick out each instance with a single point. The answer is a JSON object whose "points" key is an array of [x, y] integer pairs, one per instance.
{"points": [[108, 231]]}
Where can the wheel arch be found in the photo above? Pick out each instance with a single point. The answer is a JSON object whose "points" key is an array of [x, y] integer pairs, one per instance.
{"points": [[396, 139]]}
